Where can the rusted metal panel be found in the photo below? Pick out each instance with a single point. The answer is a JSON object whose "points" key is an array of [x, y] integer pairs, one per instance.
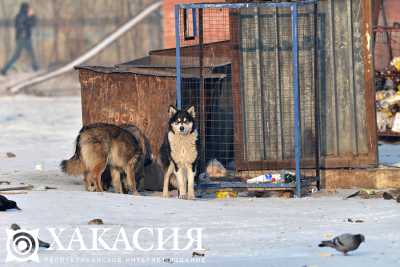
{"points": [[116, 96]]}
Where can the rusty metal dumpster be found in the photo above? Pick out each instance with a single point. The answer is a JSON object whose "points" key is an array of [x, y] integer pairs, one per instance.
{"points": [[136, 96]]}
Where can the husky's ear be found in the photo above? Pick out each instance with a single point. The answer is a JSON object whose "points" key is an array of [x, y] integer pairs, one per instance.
{"points": [[191, 110], [172, 110]]}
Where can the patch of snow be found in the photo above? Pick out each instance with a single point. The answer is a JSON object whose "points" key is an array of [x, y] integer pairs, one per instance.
{"points": [[38, 130], [244, 231]]}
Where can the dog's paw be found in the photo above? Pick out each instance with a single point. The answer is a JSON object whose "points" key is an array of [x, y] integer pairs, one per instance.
{"points": [[191, 197], [182, 196], [91, 188], [165, 195], [135, 193]]}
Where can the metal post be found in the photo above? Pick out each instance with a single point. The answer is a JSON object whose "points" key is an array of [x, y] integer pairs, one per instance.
{"points": [[178, 59], [202, 90], [297, 129], [316, 100]]}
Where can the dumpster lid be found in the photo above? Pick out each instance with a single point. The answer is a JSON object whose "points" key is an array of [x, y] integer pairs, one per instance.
{"points": [[103, 69], [149, 71], [169, 61]]}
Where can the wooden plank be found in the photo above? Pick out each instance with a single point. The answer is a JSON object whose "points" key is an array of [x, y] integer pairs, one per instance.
{"points": [[286, 81], [239, 147], [329, 127], [16, 188], [342, 65], [361, 124], [353, 97], [376, 178], [14, 192], [278, 98], [388, 133], [254, 141], [269, 82], [306, 57]]}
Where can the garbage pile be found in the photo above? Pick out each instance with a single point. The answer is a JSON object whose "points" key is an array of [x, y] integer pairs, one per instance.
{"points": [[388, 97], [278, 177]]}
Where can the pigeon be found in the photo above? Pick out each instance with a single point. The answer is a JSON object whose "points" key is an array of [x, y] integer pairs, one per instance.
{"points": [[344, 243], [6, 204], [42, 244]]}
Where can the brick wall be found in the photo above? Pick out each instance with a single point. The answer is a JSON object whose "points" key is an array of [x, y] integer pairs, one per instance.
{"points": [[215, 25]]}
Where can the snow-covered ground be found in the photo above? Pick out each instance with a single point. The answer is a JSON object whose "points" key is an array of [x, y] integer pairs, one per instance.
{"points": [[38, 131], [236, 232], [241, 232]]}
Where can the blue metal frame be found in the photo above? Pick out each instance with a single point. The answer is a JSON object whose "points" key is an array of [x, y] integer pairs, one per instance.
{"points": [[178, 59], [297, 129], [294, 15]]}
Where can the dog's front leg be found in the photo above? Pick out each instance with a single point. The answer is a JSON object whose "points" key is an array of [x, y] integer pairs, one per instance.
{"points": [[191, 174], [181, 183], [167, 175], [116, 181], [89, 185]]}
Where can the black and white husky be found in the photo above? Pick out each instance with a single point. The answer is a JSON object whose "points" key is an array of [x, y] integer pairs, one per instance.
{"points": [[180, 151]]}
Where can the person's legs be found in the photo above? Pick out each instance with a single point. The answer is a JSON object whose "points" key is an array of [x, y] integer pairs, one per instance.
{"points": [[29, 48], [14, 58]]}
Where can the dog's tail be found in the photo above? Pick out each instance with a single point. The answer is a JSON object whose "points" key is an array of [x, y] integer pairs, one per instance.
{"points": [[74, 166]]}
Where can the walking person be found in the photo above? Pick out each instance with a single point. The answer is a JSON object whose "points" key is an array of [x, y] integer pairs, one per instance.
{"points": [[24, 22]]}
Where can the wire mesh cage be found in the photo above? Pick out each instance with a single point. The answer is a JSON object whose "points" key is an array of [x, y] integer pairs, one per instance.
{"points": [[250, 71]]}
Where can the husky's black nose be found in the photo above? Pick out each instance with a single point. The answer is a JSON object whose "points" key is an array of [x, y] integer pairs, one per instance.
{"points": [[182, 128]]}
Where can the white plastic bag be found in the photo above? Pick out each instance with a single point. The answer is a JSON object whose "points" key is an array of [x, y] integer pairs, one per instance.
{"points": [[396, 123]]}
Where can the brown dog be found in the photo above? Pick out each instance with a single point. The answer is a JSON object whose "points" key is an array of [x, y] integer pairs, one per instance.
{"points": [[100, 145]]}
